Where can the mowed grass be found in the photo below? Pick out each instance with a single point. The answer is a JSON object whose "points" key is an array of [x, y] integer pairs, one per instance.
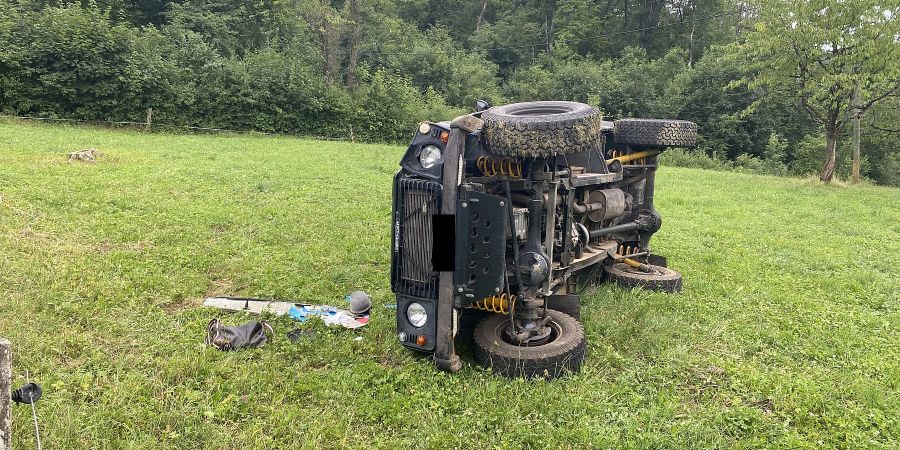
{"points": [[787, 333]]}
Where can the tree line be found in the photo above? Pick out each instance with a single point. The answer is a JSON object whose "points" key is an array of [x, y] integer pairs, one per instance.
{"points": [[774, 86]]}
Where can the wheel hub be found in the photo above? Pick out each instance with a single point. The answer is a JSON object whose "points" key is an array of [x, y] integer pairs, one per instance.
{"points": [[529, 325], [529, 334]]}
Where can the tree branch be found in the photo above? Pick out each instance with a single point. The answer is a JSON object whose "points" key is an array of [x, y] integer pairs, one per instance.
{"points": [[878, 98], [886, 130]]}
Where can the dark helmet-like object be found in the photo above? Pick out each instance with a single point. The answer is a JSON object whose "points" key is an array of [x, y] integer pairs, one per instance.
{"points": [[360, 302]]}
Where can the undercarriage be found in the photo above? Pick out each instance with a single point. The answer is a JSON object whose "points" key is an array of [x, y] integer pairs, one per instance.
{"points": [[504, 214]]}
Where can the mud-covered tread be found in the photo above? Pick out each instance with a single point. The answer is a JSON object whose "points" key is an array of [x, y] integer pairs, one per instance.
{"points": [[563, 355], [655, 132], [564, 128], [624, 275]]}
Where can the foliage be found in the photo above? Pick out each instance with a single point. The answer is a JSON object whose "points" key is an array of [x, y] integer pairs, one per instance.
{"points": [[309, 67], [807, 159], [632, 86], [693, 158], [881, 142], [775, 155], [392, 103], [72, 60], [888, 170], [433, 61], [823, 53], [807, 155], [724, 131]]}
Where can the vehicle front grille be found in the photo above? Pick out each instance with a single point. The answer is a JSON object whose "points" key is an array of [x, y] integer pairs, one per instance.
{"points": [[415, 201]]}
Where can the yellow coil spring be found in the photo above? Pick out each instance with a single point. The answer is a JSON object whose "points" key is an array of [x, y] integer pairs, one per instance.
{"points": [[496, 303], [616, 154], [502, 166], [625, 250]]}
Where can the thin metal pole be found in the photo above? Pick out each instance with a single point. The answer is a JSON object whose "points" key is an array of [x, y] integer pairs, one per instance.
{"points": [[37, 431], [5, 395]]}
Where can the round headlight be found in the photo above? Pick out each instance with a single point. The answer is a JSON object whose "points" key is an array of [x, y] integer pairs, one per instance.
{"points": [[429, 155], [416, 315]]}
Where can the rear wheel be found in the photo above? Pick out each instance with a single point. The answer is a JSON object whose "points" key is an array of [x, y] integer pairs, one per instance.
{"points": [[660, 278], [563, 353], [655, 132]]}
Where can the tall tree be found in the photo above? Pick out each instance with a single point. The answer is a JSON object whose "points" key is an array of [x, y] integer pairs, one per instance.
{"points": [[820, 51]]}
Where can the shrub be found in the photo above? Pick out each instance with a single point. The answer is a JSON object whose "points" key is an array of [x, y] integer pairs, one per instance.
{"points": [[632, 86], [888, 171], [72, 62], [748, 163], [774, 155], [693, 158], [389, 108], [433, 61]]}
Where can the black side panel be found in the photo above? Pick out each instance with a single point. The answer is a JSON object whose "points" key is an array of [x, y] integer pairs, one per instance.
{"points": [[415, 202], [481, 225]]}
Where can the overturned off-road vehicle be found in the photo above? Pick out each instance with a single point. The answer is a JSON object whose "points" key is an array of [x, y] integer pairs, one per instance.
{"points": [[501, 216]]}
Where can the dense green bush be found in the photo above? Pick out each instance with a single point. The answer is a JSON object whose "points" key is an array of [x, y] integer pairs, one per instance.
{"points": [[632, 86], [72, 62], [389, 105], [888, 171], [433, 61], [693, 158]]}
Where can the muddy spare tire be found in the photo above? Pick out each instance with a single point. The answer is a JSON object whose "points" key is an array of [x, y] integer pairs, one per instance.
{"points": [[533, 129], [655, 132]]}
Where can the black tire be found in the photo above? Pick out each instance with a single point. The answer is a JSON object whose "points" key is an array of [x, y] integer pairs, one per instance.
{"points": [[666, 280], [655, 132], [533, 129], [563, 354]]}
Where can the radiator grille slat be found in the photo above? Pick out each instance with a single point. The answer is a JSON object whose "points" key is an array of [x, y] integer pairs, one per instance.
{"points": [[417, 200]]}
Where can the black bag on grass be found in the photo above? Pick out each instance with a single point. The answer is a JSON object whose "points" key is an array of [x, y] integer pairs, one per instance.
{"points": [[252, 335]]}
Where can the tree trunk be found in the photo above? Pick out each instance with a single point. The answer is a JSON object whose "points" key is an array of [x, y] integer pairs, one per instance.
{"points": [[353, 57], [830, 154], [691, 45], [481, 15], [856, 114], [549, 13], [329, 49], [330, 57]]}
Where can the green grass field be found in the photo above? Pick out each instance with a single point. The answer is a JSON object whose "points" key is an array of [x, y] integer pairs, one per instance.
{"points": [[787, 333]]}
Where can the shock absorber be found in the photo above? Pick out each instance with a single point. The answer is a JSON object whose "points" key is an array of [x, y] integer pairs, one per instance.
{"points": [[499, 166], [625, 158], [500, 304]]}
